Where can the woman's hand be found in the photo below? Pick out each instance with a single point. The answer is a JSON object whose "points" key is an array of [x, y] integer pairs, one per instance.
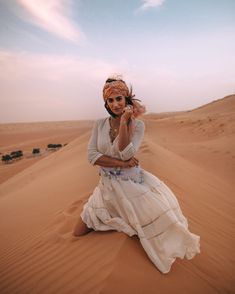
{"points": [[127, 112], [130, 162]]}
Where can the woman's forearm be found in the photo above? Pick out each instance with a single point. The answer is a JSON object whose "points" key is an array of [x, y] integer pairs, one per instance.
{"points": [[108, 161], [124, 137]]}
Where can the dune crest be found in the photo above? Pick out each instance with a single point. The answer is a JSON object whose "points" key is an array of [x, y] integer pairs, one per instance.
{"points": [[192, 152]]}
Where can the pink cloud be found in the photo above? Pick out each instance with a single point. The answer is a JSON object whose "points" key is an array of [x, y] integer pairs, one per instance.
{"points": [[54, 17]]}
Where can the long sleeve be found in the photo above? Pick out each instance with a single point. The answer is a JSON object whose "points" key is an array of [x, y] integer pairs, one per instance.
{"points": [[136, 140], [92, 152]]}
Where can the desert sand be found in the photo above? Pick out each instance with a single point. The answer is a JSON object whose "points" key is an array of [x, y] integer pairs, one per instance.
{"points": [[41, 198]]}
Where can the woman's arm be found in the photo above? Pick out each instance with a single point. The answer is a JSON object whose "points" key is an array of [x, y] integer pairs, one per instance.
{"points": [[92, 153], [124, 136], [134, 143], [129, 146], [108, 161]]}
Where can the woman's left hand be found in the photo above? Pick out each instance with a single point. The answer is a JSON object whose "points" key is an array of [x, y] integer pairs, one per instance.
{"points": [[127, 112]]}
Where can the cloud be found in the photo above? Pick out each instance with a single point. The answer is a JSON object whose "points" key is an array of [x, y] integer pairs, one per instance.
{"points": [[37, 87], [52, 67], [147, 4], [54, 17]]}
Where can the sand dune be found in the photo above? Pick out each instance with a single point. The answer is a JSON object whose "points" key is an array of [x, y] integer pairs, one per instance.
{"points": [[191, 151], [25, 137]]}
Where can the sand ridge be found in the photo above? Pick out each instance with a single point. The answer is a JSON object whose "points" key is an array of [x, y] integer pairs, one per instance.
{"points": [[40, 203]]}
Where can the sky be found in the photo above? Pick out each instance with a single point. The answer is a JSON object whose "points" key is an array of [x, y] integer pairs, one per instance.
{"points": [[55, 55]]}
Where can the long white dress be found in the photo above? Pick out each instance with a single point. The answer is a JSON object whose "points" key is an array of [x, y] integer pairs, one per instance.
{"points": [[136, 202]]}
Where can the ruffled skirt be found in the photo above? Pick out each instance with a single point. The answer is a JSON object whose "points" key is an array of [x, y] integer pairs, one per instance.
{"points": [[136, 202]]}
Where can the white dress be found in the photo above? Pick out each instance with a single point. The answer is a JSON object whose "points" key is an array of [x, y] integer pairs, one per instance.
{"points": [[136, 202]]}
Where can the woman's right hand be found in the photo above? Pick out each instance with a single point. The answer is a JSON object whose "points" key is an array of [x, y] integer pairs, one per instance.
{"points": [[130, 162]]}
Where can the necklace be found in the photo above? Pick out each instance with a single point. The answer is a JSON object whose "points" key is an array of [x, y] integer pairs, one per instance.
{"points": [[113, 132]]}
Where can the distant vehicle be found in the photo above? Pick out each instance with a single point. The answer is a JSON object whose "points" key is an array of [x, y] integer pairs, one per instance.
{"points": [[16, 154], [54, 146], [13, 155], [6, 158], [36, 151]]}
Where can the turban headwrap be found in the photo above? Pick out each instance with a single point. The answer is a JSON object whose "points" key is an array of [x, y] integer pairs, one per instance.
{"points": [[115, 87]]}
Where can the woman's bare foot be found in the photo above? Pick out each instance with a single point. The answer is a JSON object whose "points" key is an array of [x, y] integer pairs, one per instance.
{"points": [[81, 228]]}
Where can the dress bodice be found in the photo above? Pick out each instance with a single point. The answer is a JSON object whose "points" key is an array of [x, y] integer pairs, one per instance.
{"points": [[100, 142]]}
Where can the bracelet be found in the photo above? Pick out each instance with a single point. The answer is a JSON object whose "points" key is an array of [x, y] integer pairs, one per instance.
{"points": [[123, 122]]}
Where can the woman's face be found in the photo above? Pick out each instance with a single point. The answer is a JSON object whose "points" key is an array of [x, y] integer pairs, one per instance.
{"points": [[116, 103]]}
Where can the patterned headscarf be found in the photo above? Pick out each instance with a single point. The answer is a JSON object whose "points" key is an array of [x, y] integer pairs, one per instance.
{"points": [[113, 86]]}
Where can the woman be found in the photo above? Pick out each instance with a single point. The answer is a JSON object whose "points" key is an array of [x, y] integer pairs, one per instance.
{"points": [[128, 198]]}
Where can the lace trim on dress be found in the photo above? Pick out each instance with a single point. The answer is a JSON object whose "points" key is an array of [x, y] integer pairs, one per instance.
{"points": [[134, 174], [158, 234]]}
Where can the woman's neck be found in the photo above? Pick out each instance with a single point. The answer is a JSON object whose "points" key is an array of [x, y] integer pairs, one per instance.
{"points": [[116, 120]]}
